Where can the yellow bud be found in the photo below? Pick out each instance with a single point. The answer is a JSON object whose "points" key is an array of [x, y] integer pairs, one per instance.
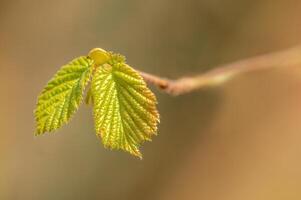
{"points": [[99, 56]]}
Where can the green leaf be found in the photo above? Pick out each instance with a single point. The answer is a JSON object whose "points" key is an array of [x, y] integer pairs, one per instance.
{"points": [[125, 110], [89, 99], [62, 95]]}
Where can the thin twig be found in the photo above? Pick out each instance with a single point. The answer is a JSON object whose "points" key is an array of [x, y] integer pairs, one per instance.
{"points": [[223, 73]]}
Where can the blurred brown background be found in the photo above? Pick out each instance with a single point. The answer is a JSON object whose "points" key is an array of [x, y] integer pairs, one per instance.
{"points": [[238, 141]]}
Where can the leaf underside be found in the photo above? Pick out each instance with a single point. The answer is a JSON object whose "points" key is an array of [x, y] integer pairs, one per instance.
{"points": [[62, 95], [125, 111]]}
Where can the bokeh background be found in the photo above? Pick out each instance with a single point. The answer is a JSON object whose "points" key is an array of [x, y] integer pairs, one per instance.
{"points": [[241, 140]]}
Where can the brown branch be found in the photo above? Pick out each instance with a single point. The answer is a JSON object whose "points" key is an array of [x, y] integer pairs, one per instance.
{"points": [[223, 73]]}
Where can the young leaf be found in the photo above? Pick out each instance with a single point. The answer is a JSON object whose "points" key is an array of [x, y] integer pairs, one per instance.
{"points": [[62, 95], [88, 99], [125, 111]]}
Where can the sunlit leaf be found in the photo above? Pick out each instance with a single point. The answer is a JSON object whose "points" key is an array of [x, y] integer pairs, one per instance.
{"points": [[62, 95], [125, 110]]}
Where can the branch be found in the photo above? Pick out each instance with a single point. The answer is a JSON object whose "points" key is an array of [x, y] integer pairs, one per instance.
{"points": [[223, 73]]}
